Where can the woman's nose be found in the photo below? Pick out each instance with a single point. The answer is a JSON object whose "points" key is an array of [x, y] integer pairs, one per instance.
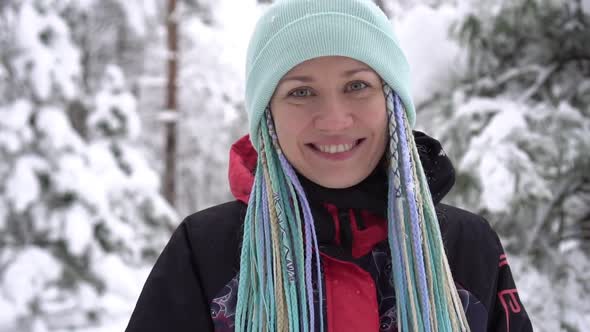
{"points": [[334, 115]]}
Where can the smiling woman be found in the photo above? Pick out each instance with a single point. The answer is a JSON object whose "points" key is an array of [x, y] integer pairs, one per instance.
{"points": [[337, 223], [330, 117]]}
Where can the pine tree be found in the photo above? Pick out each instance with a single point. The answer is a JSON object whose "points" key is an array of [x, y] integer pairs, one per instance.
{"points": [[526, 101], [80, 212], [517, 125], [210, 113]]}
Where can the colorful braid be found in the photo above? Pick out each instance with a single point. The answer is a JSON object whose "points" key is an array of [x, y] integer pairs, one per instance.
{"points": [[280, 249], [426, 295]]}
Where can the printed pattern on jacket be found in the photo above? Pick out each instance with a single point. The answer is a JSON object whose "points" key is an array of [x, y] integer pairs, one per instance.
{"points": [[378, 264]]}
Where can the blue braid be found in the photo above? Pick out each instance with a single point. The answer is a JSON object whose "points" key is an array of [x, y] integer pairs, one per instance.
{"points": [[415, 219]]}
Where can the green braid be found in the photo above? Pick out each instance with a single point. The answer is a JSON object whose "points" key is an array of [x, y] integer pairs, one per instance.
{"points": [[275, 291]]}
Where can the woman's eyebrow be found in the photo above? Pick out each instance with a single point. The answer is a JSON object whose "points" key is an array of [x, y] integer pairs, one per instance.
{"points": [[357, 70], [308, 79], [304, 79]]}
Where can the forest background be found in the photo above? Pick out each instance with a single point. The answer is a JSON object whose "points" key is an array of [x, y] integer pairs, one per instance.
{"points": [[101, 156]]}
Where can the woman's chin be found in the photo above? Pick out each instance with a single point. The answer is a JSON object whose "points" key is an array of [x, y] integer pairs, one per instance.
{"points": [[337, 180]]}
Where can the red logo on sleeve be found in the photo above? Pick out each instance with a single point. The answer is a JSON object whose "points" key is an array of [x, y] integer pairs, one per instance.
{"points": [[503, 260], [510, 302]]}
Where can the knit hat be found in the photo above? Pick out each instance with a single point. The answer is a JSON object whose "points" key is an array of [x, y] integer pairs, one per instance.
{"points": [[293, 31]]}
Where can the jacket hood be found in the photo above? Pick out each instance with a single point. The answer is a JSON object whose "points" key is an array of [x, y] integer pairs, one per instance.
{"points": [[437, 166]]}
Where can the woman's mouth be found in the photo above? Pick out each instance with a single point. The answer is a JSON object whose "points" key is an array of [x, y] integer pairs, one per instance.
{"points": [[336, 151]]}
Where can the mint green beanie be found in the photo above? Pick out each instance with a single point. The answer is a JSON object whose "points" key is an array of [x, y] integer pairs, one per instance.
{"points": [[293, 31]]}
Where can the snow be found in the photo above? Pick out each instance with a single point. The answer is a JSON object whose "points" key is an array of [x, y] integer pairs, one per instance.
{"points": [[53, 62], [103, 163], [22, 186], [431, 50], [3, 215], [168, 116], [56, 131], [498, 183], [29, 274], [120, 231], [534, 286], [16, 116], [507, 120], [237, 21], [510, 148], [137, 13], [14, 129], [124, 284], [70, 194], [567, 113], [210, 100], [9, 141], [72, 176], [7, 315], [98, 194], [549, 309], [147, 81], [493, 152], [141, 176], [116, 108], [78, 229]]}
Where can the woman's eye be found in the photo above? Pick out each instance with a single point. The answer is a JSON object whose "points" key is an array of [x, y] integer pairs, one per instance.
{"points": [[355, 86], [300, 93]]}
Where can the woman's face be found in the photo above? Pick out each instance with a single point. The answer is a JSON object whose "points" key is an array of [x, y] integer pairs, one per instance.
{"points": [[330, 119]]}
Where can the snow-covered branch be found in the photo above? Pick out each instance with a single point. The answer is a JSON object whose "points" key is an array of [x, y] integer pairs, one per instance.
{"points": [[168, 116], [542, 78], [565, 187]]}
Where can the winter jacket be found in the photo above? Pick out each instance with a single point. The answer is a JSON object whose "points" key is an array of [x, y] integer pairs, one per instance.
{"points": [[193, 284]]}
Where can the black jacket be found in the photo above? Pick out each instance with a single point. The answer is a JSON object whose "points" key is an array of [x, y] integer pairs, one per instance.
{"points": [[193, 284]]}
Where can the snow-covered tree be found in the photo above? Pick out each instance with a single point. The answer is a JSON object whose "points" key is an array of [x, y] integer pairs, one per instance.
{"points": [[513, 112], [210, 97], [521, 117], [80, 212]]}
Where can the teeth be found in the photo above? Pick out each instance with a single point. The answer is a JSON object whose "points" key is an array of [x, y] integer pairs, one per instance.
{"points": [[335, 148]]}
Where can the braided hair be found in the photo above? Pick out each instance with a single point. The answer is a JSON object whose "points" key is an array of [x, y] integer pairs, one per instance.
{"points": [[280, 261]]}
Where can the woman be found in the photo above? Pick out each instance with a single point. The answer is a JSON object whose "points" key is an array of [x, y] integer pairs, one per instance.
{"points": [[337, 223]]}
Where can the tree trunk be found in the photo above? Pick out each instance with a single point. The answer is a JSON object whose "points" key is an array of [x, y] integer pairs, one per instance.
{"points": [[171, 106]]}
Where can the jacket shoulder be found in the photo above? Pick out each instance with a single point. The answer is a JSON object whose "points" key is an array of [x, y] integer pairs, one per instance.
{"points": [[215, 235], [455, 222], [218, 217], [473, 250]]}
